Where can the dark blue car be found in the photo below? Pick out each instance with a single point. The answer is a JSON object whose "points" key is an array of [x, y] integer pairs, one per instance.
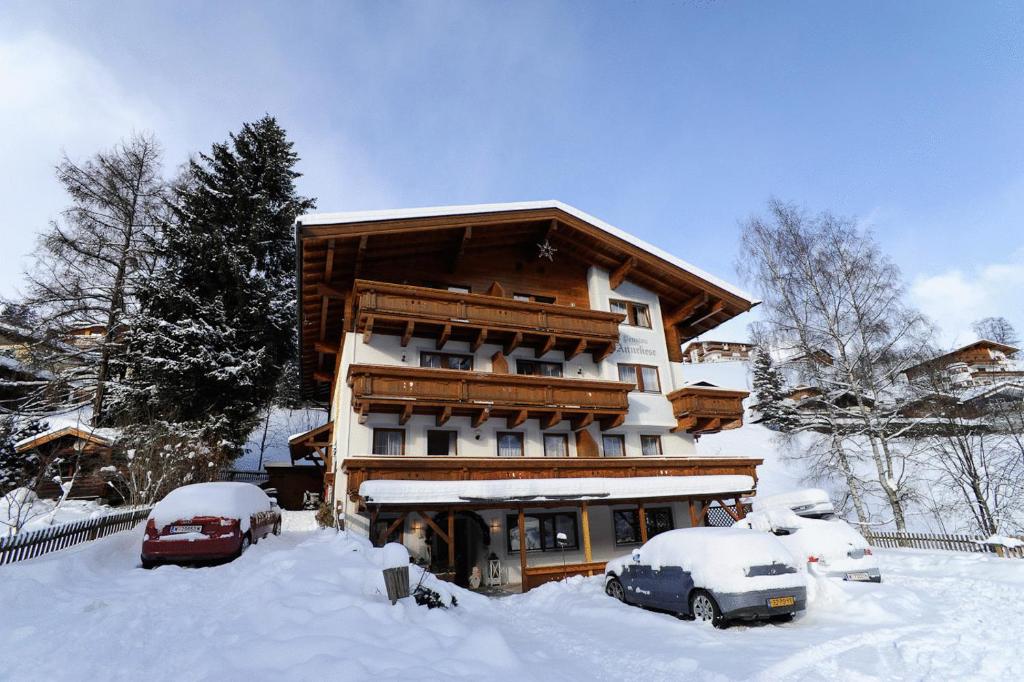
{"points": [[710, 574]]}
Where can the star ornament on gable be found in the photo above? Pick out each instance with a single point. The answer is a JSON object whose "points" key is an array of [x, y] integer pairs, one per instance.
{"points": [[546, 250]]}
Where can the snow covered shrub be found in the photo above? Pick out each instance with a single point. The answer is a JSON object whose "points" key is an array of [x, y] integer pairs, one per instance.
{"points": [[325, 515]]}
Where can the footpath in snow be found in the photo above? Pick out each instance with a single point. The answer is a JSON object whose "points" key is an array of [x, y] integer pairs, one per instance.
{"points": [[309, 605]]}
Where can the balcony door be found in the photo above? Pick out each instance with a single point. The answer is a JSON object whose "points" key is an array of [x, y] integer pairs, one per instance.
{"points": [[442, 443]]}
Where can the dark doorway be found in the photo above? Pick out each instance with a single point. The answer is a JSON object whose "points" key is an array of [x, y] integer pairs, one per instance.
{"points": [[442, 443], [472, 537]]}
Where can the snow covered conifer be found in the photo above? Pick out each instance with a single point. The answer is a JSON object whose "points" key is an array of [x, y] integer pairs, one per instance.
{"points": [[769, 390], [216, 322]]}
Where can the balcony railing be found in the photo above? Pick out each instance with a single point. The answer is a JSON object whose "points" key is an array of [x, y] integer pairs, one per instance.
{"points": [[707, 409], [446, 393], [458, 468], [444, 315]]}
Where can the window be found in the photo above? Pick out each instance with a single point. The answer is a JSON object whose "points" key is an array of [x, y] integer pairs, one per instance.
{"points": [[637, 314], [644, 377], [650, 446], [539, 369], [510, 444], [535, 298], [614, 446], [626, 524], [442, 443], [556, 445], [458, 289], [542, 530], [389, 441], [446, 360]]}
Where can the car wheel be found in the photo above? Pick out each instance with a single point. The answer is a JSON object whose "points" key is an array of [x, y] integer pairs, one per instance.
{"points": [[148, 564], [613, 588], [246, 541], [277, 528], [783, 618], [705, 609]]}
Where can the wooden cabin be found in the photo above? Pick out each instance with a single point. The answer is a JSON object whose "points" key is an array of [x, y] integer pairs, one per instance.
{"points": [[77, 448], [716, 351], [981, 362], [497, 375]]}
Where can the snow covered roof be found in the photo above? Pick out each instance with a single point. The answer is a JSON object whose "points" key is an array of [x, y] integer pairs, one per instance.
{"points": [[472, 209], [550, 489]]}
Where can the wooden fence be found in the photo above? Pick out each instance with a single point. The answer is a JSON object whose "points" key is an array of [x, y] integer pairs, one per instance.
{"points": [[45, 540], [959, 543]]}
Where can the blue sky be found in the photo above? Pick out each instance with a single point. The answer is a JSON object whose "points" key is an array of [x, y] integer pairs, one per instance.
{"points": [[671, 120]]}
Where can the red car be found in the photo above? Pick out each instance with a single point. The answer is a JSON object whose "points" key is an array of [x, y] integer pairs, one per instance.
{"points": [[208, 522]]}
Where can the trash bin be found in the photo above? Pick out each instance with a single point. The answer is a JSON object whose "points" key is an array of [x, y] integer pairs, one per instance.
{"points": [[396, 580]]}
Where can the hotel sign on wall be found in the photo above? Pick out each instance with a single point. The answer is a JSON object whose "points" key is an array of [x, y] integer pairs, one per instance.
{"points": [[635, 347]]}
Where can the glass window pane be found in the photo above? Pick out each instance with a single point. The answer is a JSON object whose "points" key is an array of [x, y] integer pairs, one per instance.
{"points": [[619, 307], [614, 446], [556, 445], [460, 362], [658, 520], [627, 373], [387, 442], [510, 445], [552, 369], [627, 526], [430, 360], [650, 445], [650, 377], [643, 317], [566, 523]]}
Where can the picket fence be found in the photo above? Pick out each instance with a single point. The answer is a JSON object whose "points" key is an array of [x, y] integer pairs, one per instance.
{"points": [[35, 543], [959, 543]]}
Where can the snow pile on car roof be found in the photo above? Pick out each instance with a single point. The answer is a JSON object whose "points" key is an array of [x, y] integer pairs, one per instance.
{"points": [[227, 499], [796, 499], [831, 540], [718, 558]]}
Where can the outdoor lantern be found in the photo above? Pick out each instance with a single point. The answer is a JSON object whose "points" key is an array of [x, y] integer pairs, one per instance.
{"points": [[495, 526], [493, 570]]}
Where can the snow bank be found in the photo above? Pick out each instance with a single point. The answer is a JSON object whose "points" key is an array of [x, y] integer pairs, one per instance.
{"points": [[831, 541], [1001, 540], [39, 513], [230, 500], [803, 501], [717, 558], [453, 492]]}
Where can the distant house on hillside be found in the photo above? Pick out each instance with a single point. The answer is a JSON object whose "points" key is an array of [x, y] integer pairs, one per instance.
{"points": [[981, 362], [80, 452], [716, 351]]}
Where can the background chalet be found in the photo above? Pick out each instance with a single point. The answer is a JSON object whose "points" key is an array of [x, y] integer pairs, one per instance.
{"points": [[501, 374]]}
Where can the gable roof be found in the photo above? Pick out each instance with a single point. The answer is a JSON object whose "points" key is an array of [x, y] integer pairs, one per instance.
{"points": [[85, 434], [980, 343]]}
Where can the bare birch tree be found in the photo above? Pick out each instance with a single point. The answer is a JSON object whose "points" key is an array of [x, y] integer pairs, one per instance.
{"points": [[90, 262], [836, 301]]}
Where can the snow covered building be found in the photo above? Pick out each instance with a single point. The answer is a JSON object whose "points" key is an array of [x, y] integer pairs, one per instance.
{"points": [[506, 383], [981, 362], [716, 351]]}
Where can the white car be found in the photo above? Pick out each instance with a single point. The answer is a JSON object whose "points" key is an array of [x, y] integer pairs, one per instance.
{"points": [[824, 547]]}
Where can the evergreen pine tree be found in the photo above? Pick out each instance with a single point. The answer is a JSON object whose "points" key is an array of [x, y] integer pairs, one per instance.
{"points": [[216, 324], [16, 469], [770, 393]]}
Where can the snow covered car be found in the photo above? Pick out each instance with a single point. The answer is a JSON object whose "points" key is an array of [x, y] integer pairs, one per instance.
{"points": [[711, 574], [811, 503], [208, 522], [827, 547]]}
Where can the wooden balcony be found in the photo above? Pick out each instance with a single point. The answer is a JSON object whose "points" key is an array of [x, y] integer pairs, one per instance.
{"points": [[456, 468], [445, 393], [409, 311], [707, 409]]}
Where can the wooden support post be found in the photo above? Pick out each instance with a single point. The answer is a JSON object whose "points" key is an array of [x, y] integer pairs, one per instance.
{"points": [[728, 510], [642, 514], [481, 336], [410, 329], [437, 529], [522, 549], [694, 518], [451, 540], [373, 522], [392, 528], [545, 348], [585, 519], [446, 334], [740, 511]]}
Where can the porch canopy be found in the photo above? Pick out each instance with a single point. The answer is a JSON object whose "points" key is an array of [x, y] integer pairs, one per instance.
{"points": [[547, 491]]}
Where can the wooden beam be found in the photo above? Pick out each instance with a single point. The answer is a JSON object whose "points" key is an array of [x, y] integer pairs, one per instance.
{"points": [[373, 521], [360, 255], [433, 524], [513, 343], [728, 510], [551, 420], [545, 348], [325, 347], [686, 310], [642, 515], [580, 346], [446, 333], [603, 353], [368, 329], [406, 414], [694, 517], [410, 329], [740, 510], [444, 416], [451, 539], [480, 417], [481, 337], [457, 254], [522, 549], [496, 290], [583, 422], [585, 522], [393, 527], [613, 422], [516, 419], [718, 307], [330, 291], [618, 275], [323, 377]]}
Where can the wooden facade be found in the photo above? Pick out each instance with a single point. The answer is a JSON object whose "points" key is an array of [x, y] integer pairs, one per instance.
{"points": [[707, 409], [77, 448]]}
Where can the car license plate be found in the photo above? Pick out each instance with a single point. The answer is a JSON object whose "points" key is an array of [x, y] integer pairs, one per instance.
{"points": [[858, 576], [186, 529], [777, 602]]}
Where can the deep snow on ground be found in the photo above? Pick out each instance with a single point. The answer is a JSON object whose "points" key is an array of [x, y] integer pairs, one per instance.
{"points": [[307, 605], [39, 513]]}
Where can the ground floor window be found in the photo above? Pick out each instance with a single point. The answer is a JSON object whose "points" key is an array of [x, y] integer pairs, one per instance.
{"points": [[541, 531], [626, 523]]}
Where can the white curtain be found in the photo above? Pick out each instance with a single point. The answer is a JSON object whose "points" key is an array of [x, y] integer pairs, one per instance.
{"points": [[510, 445]]}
